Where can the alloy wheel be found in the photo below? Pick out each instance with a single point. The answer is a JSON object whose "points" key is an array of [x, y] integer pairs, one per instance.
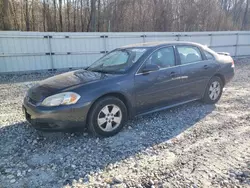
{"points": [[109, 118], [214, 90]]}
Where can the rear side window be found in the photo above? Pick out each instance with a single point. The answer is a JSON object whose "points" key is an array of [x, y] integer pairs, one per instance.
{"points": [[189, 54], [208, 55]]}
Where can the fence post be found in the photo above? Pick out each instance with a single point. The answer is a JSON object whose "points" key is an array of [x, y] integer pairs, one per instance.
{"points": [[211, 39], [104, 43], [178, 37], [50, 51], [143, 39], [236, 46]]}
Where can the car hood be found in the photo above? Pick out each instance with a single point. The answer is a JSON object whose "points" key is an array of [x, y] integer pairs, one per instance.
{"points": [[63, 81]]}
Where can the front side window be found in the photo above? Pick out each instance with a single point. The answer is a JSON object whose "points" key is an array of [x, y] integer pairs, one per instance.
{"points": [[117, 61], [163, 58], [189, 54]]}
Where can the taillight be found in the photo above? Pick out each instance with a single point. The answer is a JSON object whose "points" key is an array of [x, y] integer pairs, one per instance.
{"points": [[233, 64]]}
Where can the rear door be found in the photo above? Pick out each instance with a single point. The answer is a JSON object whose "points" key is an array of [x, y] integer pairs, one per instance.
{"points": [[196, 70], [158, 88]]}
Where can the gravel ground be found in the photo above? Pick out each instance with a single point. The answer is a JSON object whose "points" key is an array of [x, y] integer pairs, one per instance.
{"points": [[194, 145]]}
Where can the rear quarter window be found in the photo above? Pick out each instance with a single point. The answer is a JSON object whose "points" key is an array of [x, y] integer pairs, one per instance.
{"points": [[209, 55]]}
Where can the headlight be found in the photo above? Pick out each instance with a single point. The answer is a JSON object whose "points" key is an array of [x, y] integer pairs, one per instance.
{"points": [[66, 98]]}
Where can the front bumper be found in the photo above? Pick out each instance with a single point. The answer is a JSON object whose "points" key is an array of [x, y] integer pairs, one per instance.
{"points": [[56, 118]]}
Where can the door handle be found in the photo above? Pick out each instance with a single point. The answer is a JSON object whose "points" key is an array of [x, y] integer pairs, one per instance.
{"points": [[173, 74], [206, 67]]}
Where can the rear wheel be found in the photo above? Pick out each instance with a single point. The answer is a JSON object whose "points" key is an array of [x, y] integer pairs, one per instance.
{"points": [[213, 91], [107, 116]]}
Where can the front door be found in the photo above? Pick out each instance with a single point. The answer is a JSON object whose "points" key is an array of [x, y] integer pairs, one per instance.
{"points": [[159, 88]]}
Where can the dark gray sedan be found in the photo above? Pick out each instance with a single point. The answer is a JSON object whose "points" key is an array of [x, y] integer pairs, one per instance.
{"points": [[128, 81]]}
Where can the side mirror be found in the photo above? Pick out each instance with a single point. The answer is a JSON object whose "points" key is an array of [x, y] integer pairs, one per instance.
{"points": [[150, 68]]}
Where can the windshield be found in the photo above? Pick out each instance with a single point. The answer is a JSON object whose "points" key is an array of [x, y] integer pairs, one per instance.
{"points": [[117, 61]]}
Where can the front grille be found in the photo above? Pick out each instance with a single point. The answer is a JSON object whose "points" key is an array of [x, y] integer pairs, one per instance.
{"points": [[35, 96]]}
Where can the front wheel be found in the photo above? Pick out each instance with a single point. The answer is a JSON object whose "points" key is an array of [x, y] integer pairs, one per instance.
{"points": [[213, 91], [107, 116]]}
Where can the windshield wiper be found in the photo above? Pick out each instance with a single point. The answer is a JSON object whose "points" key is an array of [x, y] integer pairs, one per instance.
{"points": [[106, 72], [100, 71]]}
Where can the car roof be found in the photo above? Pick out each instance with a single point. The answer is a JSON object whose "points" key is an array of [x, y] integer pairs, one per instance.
{"points": [[162, 43]]}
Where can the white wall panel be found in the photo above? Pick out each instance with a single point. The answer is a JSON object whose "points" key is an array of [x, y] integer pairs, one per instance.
{"points": [[219, 40], [119, 41], [77, 44], [24, 63], [230, 50], [244, 39], [29, 51], [205, 40], [73, 61], [243, 50], [160, 38], [24, 45]]}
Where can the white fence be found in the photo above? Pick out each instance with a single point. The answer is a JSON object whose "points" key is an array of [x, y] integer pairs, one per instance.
{"points": [[31, 51]]}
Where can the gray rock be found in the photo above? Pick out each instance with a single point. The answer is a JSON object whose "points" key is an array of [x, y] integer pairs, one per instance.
{"points": [[85, 134], [246, 174], [34, 142], [118, 179], [19, 173], [151, 182], [12, 181], [121, 185], [40, 160], [10, 176], [8, 170], [139, 186]]}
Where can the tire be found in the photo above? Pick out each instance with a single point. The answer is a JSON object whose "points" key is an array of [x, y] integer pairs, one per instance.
{"points": [[107, 116], [215, 86]]}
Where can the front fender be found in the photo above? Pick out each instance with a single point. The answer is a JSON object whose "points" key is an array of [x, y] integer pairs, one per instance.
{"points": [[121, 88]]}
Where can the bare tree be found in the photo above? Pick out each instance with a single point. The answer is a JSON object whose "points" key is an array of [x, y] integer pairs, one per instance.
{"points": [[244, 20], [68, 17], [81, 17], [27, 20], [44, 15], [33, 17], [99, 15], [55, 23], [74, 15], [92, 20], [14, 15], [124, 15], [48, 17], [5, 15], [60, 15]]}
